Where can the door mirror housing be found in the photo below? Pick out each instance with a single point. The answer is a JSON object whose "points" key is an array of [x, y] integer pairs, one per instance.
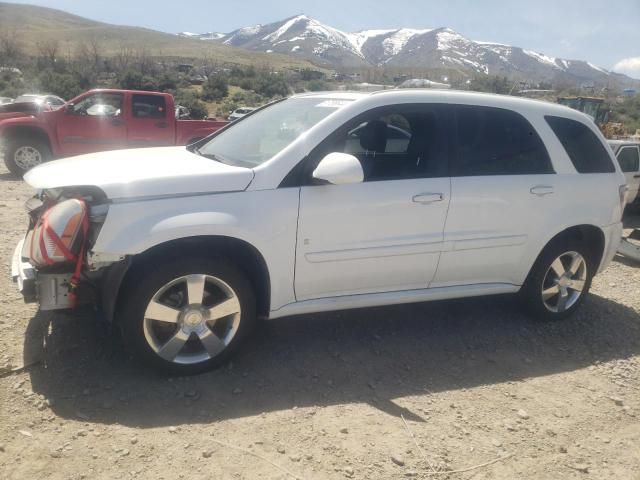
{"points": [[68, 108], [339, 169]]}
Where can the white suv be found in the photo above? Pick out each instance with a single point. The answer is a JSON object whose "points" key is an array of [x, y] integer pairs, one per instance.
{"points": [[284, 213]]}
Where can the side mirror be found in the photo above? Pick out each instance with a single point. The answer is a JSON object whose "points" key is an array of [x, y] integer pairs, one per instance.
{"points": [[68, 108], [339, 169]]}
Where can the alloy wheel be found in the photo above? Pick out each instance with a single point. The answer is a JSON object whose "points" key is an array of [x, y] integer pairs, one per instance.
{"points": [[192, 319], [27, 157], [564, 282]]}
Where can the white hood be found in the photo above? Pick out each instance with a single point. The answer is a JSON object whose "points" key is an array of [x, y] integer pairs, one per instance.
{"points": [[142, 172]]}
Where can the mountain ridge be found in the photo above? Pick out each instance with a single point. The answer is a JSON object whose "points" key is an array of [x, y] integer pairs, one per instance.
{"points": [[304, 37]]}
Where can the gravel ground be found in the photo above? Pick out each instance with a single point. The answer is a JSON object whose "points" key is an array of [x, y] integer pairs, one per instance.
{"points": [[386, 393]]}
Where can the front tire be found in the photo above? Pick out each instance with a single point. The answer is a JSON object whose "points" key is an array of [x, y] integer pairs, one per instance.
{"points": [[189, 315], [23, 153], [559, 280]]}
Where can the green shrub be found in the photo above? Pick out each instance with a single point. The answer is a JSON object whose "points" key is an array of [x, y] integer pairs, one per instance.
{"points": [[133, 80], [271, 85], [65, 85], [317, 86], [190, 100], [215, 89]]}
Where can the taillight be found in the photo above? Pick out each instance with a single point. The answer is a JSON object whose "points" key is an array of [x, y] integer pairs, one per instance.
{"points": [[58, 234]]}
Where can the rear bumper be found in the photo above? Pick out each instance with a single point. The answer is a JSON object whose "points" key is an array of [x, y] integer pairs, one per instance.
{"points": [[612, 239], [23, 274]]}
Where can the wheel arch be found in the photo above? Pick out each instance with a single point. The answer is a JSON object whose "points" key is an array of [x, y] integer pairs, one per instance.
{"points": [[592, 236], [14, 131], [247, 256]]}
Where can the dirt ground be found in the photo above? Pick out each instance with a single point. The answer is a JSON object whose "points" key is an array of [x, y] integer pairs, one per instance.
{"points": [[324, 396]]}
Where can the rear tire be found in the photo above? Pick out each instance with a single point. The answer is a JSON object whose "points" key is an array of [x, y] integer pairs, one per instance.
{"points": [[22, 153], [187, 316], [559, 280]]}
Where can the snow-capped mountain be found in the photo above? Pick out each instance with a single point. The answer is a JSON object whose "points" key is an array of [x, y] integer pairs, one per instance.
{"points": [[439, 48], [300, 36], [203, 36]]}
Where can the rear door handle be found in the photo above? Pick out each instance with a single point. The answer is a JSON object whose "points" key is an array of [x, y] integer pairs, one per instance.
{"points": [[636, 176], [542, 190], [161, 124], [116, 122], [426, 198]]}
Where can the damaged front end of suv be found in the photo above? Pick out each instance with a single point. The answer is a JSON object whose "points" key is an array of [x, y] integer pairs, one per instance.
{"points": [[54, 264]]}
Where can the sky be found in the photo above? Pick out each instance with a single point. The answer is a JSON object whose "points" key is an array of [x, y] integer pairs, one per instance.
{"points": [[604, 32]]}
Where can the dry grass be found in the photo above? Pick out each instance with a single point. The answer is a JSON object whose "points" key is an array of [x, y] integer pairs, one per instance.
{"points": [[37, 25]]}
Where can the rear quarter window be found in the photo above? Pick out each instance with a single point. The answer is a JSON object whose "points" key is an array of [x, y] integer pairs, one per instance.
{"points": [[149, 106], [584, 148], [629, 159]]}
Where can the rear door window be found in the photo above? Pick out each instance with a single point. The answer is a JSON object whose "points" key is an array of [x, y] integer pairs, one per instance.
{"points": [[495, 141], [629, 159], [586, 151], [149, 106]]}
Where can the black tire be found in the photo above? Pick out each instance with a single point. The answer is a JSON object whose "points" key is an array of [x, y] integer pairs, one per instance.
{"points": [[149, 279], [531, 291], [15, 144]]}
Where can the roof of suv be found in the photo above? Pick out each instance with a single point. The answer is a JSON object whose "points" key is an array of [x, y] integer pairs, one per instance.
{"points": [[618, 143], [453, 96]]}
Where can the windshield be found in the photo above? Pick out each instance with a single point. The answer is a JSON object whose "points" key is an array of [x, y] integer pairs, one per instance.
{"points": [[261, 136]]}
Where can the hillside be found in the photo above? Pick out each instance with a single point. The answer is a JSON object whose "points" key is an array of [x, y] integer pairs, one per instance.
{"points": [[32, 25], [404, 48]]}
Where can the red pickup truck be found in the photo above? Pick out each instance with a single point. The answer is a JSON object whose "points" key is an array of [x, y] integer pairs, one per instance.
{"points": [[94, 121]]}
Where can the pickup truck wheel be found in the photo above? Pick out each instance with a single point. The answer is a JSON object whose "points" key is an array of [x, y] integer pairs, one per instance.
{"points": [[188, 316], [559, 280], [24, 153]]}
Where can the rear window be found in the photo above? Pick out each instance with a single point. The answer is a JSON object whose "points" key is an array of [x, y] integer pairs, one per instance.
{"points": [[495, 141], [628, 159], [149, 106], [586, 151]]}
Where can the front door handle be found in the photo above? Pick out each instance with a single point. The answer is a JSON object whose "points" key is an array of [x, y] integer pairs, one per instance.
{"points": [[426, 198], [161, 124], [542, 190], [116, 122], [636, 176]]}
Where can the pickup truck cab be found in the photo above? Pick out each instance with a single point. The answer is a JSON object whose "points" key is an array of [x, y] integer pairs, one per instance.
{"points": [[285, 213], [628, 155], [95, 121]]}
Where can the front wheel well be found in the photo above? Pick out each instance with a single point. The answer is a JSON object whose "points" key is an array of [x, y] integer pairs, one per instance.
{"points": [[245, 255], [26, 131]]}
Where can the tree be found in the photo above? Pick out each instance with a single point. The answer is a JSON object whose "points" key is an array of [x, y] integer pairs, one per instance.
{"points": [[168, 82], [215, 89], [48, 51], [318, 86], [123, 58], [11, 84], [132, 80], [189, 99], [65, 85], [10, 50]]}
